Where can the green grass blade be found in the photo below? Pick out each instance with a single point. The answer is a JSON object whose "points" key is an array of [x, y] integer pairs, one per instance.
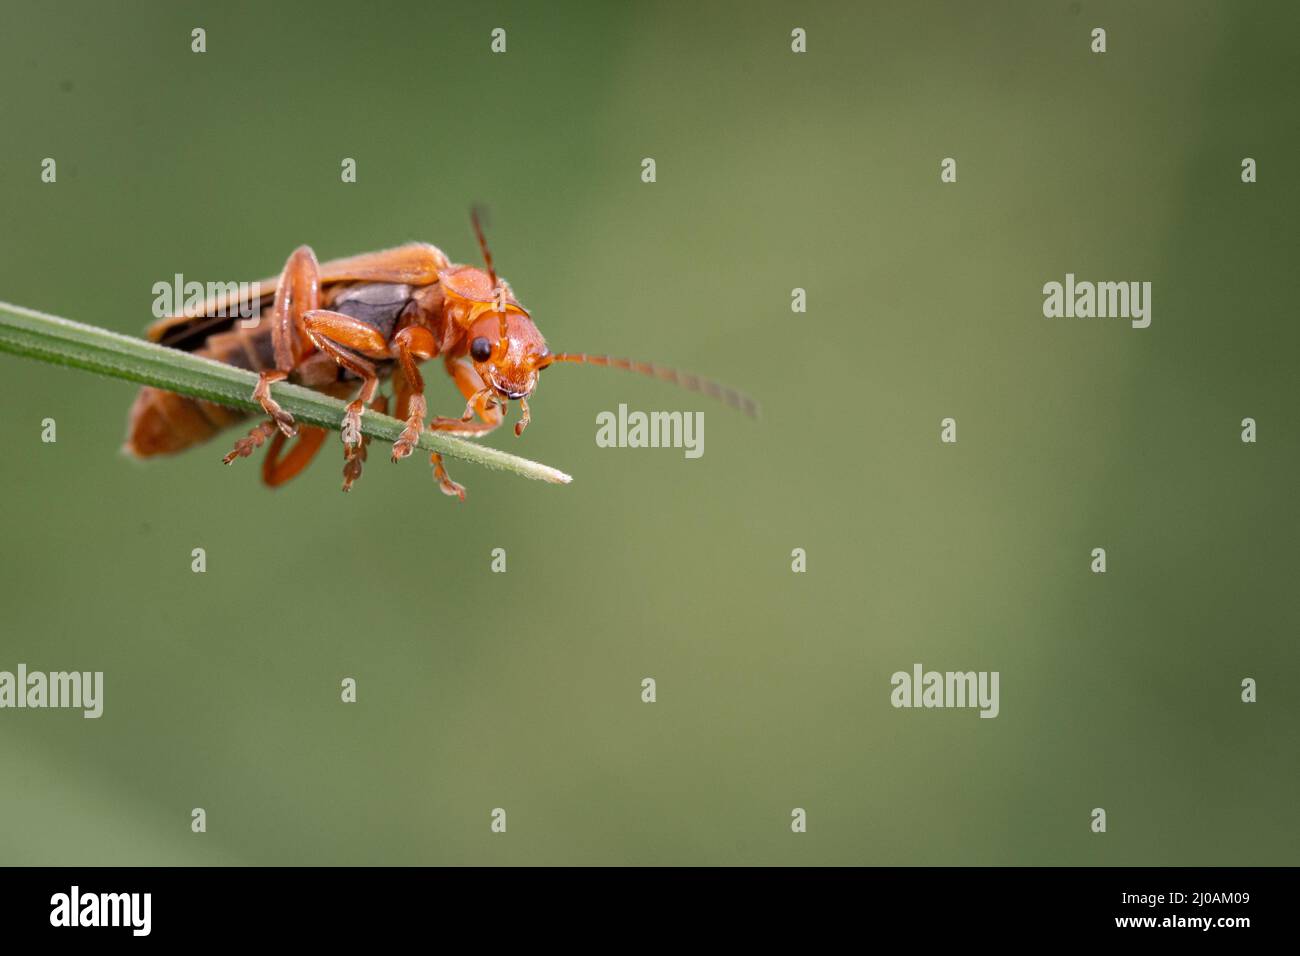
{"points": [[63, 342]]}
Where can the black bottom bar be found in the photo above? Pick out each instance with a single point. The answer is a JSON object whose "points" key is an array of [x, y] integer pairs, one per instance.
{"points": [[334, 905]]}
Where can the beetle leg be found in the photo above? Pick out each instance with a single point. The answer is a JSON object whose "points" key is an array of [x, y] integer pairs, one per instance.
{"points": [[276, 471], [405, 398], [471, 386], [245, 446], [445, 483], [343, 338], [296, 293], [482, 398], [262, 395], [352, 463], [478, 401], [412, 343]]}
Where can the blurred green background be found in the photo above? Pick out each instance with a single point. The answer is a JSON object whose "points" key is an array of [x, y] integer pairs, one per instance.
{"points": [[775, 170]]}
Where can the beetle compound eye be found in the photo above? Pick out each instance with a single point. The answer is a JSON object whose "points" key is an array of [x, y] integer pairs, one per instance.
{"points": [[480, 349]]}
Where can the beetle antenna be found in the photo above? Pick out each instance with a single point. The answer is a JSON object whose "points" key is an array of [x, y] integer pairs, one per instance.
{"points": [[476, 215], [692, 383]]}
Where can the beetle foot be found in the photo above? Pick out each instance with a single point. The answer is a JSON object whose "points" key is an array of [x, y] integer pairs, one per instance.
{"points": [[352, 469], [262, 395], [253, 440], [445, 484], [351, 430], [410, 436]]}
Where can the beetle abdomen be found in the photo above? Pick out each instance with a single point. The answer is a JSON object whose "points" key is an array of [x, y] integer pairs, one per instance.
{"points": [[163, 422]]}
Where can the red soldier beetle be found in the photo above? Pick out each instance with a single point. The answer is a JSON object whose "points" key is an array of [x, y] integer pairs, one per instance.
{"points": [[358, 320]]}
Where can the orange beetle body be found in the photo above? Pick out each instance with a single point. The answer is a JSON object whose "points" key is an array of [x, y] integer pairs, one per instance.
{"points": [[343, 326]]}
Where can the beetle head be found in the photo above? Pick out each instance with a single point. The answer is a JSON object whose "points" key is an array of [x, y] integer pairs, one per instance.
{"points": [[503, 342], [506, 347], [507, 352]]}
